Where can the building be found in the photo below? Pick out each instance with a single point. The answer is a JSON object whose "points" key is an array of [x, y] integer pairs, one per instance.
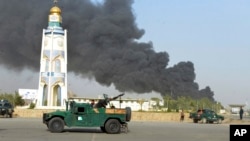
{"points": [[28, 95], [134, 104], [235, 108], [52, 88]]}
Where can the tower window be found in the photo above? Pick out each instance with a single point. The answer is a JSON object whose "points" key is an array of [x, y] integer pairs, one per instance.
{"points": [[57, 65]]}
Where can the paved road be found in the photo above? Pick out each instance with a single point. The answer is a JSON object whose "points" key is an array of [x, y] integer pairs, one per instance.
{"points": [[32, 129]]}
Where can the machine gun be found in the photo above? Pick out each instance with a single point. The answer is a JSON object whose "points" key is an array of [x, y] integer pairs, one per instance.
{"points": [[102, 103]]}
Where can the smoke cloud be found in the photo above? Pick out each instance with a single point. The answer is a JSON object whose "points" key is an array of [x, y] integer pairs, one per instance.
{"points": [[102, 44]]}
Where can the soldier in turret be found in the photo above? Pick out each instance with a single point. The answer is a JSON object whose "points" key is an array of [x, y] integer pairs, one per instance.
{"points": [[102, 103]]}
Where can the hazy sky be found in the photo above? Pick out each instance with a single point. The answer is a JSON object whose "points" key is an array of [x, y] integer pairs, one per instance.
{"points": [[213, 34]]}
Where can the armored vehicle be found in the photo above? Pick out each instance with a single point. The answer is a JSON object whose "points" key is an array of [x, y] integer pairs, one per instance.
{"points": [[206, 116], [110, 120], [6, 109]]}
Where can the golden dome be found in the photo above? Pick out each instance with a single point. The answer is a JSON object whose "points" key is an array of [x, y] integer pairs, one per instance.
{"points": [[55, 10]]}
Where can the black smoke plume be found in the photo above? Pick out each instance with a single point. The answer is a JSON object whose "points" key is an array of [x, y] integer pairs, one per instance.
{"points": [[102, 43]]}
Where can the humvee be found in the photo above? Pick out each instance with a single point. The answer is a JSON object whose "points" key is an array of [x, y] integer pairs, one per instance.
{"points": [[206, 116], [6, 109], [110, 120]]}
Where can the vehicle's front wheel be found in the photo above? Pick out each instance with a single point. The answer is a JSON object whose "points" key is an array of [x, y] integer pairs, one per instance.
{"points": [[6, 115], [56, 125], [219, 121], [113, 126]]}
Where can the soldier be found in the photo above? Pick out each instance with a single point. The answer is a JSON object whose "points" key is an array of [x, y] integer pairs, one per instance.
{"points": [[102, 103], [92, 102]]}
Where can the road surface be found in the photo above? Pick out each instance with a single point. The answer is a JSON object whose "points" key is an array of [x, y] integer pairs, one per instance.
{"points": [[32, 129]]}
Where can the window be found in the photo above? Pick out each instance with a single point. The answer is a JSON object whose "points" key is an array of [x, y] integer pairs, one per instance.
{"points": [[6, 105], [57, 66], [81, 109], [47, 65], [45, 95]]}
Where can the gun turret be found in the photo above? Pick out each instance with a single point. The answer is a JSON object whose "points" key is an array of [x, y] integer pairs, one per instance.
{"points": [[102, 103]]}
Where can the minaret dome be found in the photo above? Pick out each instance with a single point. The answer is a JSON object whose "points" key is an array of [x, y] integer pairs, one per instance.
{"points": [[55, 10]]}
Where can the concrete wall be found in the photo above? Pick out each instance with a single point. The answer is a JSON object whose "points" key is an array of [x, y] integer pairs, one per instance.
{"points": [[136, 116]]}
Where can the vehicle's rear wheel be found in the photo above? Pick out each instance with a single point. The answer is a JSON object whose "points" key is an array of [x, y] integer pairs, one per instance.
{"points": [[219, 121], [195, 120], [56, 125], [113, 126], [211, 122]]}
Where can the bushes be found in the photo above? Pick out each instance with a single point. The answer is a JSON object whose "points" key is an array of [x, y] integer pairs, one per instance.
{"points": [[14, 99], [32, 105]]}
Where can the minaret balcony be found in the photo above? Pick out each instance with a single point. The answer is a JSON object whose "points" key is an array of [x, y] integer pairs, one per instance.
{"points": [[55, 31], [52, 74]]}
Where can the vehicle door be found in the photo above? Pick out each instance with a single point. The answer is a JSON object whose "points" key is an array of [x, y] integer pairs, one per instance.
{"points": [[81, 117], [210, 115], [214, 116]]}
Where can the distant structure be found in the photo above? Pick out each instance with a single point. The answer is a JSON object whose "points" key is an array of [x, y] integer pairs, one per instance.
{"points": [[134, 104], [235, 108], [52, 88]]}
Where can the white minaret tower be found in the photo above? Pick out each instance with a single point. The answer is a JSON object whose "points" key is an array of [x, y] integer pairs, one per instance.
{"points": [[52, 89]]}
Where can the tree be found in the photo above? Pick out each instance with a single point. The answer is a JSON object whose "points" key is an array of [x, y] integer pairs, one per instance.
{"points": [[18, 100], [157, 100], [14, 99]]}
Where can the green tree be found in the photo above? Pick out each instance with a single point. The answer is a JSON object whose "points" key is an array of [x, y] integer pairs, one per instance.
{"points": [[15, 99], [18, 100]]}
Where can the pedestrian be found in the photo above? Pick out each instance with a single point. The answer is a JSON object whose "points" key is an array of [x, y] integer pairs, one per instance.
{"points": [[241, 113], [182, 116]]}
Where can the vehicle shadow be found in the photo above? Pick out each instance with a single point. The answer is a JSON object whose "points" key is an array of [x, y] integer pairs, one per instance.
{"points": [[87, 130], [83, 130], [2, 129]]}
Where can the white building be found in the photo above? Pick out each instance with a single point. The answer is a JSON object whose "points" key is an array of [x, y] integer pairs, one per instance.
{"points": [[134, 104], [52, 88], [29, 94]]}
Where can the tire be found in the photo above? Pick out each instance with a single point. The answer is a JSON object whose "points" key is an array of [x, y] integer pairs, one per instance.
{"points": [[56, 125], [113, 126], [6, 115], [11, 115], [128, 113], [204, 120], [219, 121], [195, 120]]}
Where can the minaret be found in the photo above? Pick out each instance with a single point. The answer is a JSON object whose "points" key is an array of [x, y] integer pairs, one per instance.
{"points": [[52, 89]]}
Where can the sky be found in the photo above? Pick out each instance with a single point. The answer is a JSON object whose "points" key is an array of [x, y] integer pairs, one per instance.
{"points": [[213, 34]]}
